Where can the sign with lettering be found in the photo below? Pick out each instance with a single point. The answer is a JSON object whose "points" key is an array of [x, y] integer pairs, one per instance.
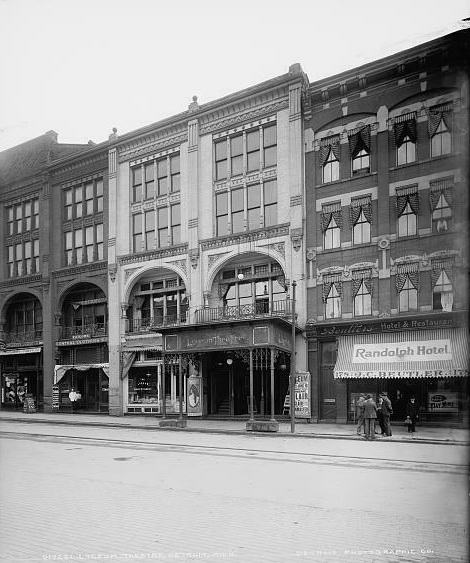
{"points": [[194, 399], [412, 351], [399, 373], [302, 394], [55, 397], [443, 401], [29, 405]]}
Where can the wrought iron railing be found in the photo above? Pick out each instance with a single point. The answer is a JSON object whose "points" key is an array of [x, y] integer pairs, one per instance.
{"points": [[147, 324], [258, 310], [22, 337], [94, 330]]}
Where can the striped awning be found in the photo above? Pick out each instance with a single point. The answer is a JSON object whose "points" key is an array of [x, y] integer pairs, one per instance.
{"points": [[61, 370], [14, 351], [153, 342], [420, 354]]}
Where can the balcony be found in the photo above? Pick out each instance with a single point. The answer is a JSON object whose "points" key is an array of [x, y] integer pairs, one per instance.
{"points": [[138, 326], [21, 338], [260, 310], [95, 330]]}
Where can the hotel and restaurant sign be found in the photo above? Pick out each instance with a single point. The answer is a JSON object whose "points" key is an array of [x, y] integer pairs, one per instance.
{"points": [[205, 340]]}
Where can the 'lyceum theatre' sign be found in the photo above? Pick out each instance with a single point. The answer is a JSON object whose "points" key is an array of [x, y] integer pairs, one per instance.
{"points": [[413, 351]]}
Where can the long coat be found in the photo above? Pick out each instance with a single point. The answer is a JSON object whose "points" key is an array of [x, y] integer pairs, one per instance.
{"points": [[412, 410], [370, 409]]}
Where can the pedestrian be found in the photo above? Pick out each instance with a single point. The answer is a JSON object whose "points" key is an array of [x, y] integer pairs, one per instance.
{"points": [[370, 416], [360, 414], [380, 418], [386, 412], [412, 412]]}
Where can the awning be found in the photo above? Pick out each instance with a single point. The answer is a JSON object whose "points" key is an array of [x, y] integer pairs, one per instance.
{"points": [[419, 354], [60, 371], [142, 344], [14, 351]]}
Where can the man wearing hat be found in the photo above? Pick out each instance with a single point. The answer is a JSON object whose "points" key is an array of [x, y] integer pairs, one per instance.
{"points": [[360, 413], [370, 416], [386, 412]]}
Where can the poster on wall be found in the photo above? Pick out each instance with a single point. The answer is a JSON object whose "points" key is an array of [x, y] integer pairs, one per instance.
{"points": [[194, 399], [302, 395], [55, 397], [443, 401]]}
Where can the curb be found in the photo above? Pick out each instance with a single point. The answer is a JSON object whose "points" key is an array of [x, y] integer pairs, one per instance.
{"points": [[446, 442]]}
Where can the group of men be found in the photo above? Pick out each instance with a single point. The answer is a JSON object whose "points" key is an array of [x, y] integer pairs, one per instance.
{"points": [[368, 412]]}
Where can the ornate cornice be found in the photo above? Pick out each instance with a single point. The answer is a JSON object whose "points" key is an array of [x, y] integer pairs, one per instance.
{"points": [[154, 254], [82, 269], [152, 143], [79, 163], [22, 281], [242, 117], [228, 240]]}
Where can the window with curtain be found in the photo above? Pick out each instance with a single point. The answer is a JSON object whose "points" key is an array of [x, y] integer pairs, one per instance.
{"points": [[407, 211], [333, 301], [359, 148], [329, 158], [442, 290], [331, 223], [440, 195], [405, 138], [362, 292], [439, 129], [361, 218], [407, 283]]}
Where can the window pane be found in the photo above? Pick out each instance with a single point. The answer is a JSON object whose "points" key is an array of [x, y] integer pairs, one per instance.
{"points": [[221, 203], [270, 156], [269, 136], [163, 237], [149, 171], [27, 209], [27, 249], [99, 250], [253, 218], [10, 254], [237, 222], [253, 161], [222, 225], [137, 223], [176, 234], [89, 235], [252, 141], [221, 150], [236, 146], [175, 164], [89, 191], [237, 200], [99, 233], [237, 165], [162, 217], [175, 183], [270, 192], [68, 240], [99, 188], [137, 176], [18, 212], [161, 168], [270, 215], [78, 194], [78, 238], [150, 220], [254, 196], [221, 170], [163, 186], [175, 215]]}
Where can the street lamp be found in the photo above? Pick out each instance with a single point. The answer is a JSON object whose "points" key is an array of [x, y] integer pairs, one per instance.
{"points": [[292, 364]]}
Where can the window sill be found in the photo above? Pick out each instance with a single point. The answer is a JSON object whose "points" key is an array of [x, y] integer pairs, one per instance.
{"points": [[421, 162], [345, 180]]}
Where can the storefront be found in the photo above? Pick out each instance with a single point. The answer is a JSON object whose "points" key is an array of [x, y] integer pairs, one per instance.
{"points": [[423, 357], [234, 369], [21, 375], [81, 388]]}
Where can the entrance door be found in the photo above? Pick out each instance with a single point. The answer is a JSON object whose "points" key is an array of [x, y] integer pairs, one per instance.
{"points": [[84, 391], [327, 382]]}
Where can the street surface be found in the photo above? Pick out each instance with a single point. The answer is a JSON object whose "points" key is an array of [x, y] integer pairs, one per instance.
{"points": [[110, 494]]}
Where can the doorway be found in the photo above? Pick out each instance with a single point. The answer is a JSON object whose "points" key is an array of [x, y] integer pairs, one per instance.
{"points": [[84, 391]]}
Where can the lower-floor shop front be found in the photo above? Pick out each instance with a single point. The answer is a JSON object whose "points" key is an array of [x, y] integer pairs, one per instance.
{"points": [[428, 364], [21, 378], [81, 388]]}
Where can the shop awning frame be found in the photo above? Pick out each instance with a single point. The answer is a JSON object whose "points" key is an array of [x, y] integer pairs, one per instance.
{"points": [[61, 370]]}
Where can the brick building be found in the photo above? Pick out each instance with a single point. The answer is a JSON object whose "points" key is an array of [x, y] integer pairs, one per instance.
{"points": [[387, 232]]}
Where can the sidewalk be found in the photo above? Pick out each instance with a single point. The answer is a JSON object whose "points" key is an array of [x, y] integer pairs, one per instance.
{"points": [[429, 435]]}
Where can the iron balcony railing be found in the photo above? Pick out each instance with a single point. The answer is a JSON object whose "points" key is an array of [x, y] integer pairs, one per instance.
{"points": [[94, 330], [22, 337], [147, 324], [258, 310]]}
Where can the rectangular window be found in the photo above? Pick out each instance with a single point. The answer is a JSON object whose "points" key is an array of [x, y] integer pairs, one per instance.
{"points": [[252, 151], [270, 203], [99, 241], [79, 246], [175, 173], [175, 224], [99, 196], [68, 201], [89, 198], [407, 224], [19, 259], [11, 261], [408, 297], [137, 184], [137, 232], [27, 216], [238, 207], [35, 213], [162, 215], [254, 206], [10, 221], [36, 254], [236, 155], [149, 180], [69, 248], [78, 194], [270, 145], [28, 262], [162, 177], [221, 160], [221, 206], [89, 242], [149, 229], [18, 219]]}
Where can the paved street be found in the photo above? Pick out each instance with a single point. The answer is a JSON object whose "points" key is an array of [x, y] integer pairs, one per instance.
{"points": [[124, 494]]}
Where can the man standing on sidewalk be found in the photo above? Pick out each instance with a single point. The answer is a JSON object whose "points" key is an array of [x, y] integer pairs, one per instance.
{"points": [[360, 414], [386, 412], [370, 416]]}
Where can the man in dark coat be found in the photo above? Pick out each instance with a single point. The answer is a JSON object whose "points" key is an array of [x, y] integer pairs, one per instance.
{"points": [[370, 416], [386, 412], [360, 413], [412, 410]]}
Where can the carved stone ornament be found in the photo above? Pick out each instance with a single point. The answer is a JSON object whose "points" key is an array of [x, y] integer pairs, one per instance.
{"points": [[57, 318], [130, 271], [124, 307], [213, 258], [296, 237], [383, 243], [112, 271], [194, 258], [311, 254]]}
